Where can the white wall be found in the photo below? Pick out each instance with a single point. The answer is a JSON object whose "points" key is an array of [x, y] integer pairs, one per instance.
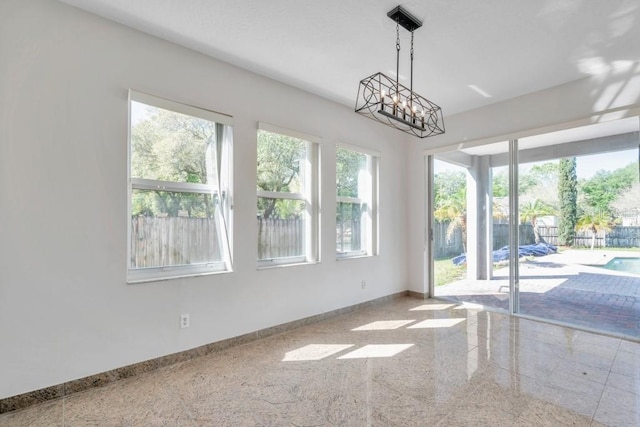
{"points": [[65, 309]]}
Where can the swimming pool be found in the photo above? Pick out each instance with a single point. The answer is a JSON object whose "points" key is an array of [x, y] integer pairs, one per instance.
{"points": [[628, 265]]}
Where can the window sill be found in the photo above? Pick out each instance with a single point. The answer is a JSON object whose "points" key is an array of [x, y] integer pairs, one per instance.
{"points": [[266, 265], [354, 256], [147, 277]]}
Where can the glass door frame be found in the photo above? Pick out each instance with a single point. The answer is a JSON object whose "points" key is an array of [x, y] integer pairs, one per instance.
{"points": [[429, 261], [628, 137], [514, 230], [514, 274]]}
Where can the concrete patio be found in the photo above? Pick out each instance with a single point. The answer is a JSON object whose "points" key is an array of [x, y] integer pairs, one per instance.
{"points": [[571, 287]]}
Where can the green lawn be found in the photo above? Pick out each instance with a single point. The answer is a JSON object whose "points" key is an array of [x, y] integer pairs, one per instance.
{"points": [[445, 272]]}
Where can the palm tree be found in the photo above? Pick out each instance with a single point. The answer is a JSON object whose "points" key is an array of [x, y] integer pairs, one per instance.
{"points": [[594, 222], [453, 208], [531, 211]]}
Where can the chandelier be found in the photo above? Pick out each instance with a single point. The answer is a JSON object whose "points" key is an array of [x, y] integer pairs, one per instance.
{"points": [[386, 100]]}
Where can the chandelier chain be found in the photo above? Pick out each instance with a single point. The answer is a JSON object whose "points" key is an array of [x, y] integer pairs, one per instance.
{"points": [[412, 45], [397, 58], [411, 83]]}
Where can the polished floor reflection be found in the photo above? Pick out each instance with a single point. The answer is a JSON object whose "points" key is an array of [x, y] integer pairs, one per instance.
{"points": [[407, 362]]}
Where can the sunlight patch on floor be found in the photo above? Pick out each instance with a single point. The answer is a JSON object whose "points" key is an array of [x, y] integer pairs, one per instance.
{"points": [[436, 323], [383, 325], [376, 350], [314, 352], [429, 307]]}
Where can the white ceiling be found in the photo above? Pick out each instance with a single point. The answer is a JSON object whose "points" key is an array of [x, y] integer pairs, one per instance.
{"points": [[468, 53]]}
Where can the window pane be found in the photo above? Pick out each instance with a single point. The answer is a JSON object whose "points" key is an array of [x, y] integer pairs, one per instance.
{"points": [[170, 146], [349, 227], [449, 227], [281, 228], [171, 229], [350, 172], [281, 163]]}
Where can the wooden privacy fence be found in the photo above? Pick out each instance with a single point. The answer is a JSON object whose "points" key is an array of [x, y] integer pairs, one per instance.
{"points": [[446, 247], [348, 235], [618, 237], [443, 246], [501, 235], [623, 237], [157, 242], [280, 238]]}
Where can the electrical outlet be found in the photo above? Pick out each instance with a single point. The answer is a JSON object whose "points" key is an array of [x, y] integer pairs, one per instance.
{"points": [[364, 284], [184, 320]]}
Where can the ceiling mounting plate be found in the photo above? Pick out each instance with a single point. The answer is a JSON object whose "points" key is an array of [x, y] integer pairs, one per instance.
{"points": [[404, 18]]}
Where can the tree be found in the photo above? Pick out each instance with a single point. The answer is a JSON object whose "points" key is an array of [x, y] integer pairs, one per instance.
{"points": [[594, 221], [628, 202], [447, 183], [453, 208], [606, 186], [350, 166], [279, 169], [541, 182], [531, 211], [169, 146], [539, 174], [568, 195], [500, 184]]}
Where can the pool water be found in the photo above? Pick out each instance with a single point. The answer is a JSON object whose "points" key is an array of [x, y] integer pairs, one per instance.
{"points": [[628, 265]]}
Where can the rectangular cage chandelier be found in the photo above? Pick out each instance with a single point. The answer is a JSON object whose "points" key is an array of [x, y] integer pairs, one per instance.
{"points": [[384, 99]]}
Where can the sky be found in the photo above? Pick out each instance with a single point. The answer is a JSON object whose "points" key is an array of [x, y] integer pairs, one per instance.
{"points": [[587, 166]]}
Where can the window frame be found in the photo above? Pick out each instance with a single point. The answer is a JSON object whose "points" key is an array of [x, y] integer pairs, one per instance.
{"points": [[310, 195], [221, 198], [370, 215]]}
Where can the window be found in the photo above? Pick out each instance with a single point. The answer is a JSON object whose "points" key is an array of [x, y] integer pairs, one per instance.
{"points": [[287, 182], [356, 213], [179, 190]]}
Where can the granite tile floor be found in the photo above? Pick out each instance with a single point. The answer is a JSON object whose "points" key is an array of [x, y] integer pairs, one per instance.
{"points": [[406, 362]]}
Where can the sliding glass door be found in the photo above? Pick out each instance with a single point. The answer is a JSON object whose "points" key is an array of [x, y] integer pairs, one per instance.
{"points": [[546, 226], [579, 199], [466, 236]]}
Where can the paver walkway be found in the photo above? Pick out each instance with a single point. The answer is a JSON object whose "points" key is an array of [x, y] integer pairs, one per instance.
{"points": [[561, 287]]}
